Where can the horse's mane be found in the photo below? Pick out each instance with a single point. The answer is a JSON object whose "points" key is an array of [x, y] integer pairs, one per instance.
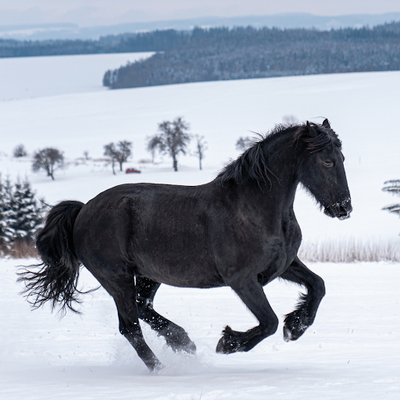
{"points": [[324, 138], [253, 163]]}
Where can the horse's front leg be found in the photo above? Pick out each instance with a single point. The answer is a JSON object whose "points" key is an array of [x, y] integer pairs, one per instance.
{"points": [[252, 294], [303, 316]]}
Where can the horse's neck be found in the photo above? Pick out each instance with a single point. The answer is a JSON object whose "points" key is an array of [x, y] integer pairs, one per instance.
{"points": [[274, 200]]}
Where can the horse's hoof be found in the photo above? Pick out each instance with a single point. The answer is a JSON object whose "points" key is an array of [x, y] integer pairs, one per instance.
{"points": [[293, 332], [155, 366], [179, 340], [189, 348], [228, 343], [221, 346], [287, 335]]}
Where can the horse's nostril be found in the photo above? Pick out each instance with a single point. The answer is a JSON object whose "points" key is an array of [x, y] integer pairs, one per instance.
{"points": [[340, 210], [347, 206]]}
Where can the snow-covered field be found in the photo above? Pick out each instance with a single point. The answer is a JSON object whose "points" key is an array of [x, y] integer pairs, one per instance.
{"points": [[30, 77], [353, 349], [351, 352]]}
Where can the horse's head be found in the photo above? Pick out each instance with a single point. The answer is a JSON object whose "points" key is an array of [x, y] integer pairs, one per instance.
{"points": [[322, 170]]}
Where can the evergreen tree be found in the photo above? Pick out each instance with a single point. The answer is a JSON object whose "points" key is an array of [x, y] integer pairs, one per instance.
{"points": [[7, 215], [28, 215], [394, 188], [21, 215]]}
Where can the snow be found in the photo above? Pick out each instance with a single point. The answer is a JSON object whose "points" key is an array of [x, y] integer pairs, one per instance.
{"points": [[29, 77], [352, 351]]}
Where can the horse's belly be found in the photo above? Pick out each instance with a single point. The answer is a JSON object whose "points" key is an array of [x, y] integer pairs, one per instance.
{"points": [[197, 275], [177, 264]]}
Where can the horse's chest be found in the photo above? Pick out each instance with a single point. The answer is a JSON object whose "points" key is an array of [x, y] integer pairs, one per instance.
{"points": [[285, 249]]}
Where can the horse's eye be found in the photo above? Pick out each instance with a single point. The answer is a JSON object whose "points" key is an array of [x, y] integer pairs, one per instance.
{"points": [[329, 164]]}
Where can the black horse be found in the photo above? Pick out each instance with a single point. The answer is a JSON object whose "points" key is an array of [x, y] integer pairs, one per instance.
{"points": [[239, 230]]}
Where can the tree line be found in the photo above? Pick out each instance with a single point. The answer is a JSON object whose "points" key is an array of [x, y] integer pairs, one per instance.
{"points": [[170, 39], [123, 43], [223, 54], [243, 53]]}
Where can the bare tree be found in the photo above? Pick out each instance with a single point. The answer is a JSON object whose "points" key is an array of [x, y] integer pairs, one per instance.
{"points": [[110, 151], [244, 143], [172, 139], [19, 151], [124, 152], [118, 153], [48, 159], [200, 149], [290, 119]]}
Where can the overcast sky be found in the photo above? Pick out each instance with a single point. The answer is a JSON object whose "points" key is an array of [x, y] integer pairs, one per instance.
{"points": [[107, 12]]}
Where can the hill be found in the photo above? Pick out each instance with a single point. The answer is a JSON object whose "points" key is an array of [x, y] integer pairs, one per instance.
{"points": [[245, 53]]}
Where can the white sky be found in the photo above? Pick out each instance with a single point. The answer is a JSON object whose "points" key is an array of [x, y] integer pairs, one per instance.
{"points": [[95, 12]]}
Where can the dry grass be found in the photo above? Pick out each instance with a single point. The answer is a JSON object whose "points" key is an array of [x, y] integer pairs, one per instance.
{"points": [[351, 250], [19, 249]]}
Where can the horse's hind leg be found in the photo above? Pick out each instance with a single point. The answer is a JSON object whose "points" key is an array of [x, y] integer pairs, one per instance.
{"points": [[300, 319], [121, 286], [175, 336]]}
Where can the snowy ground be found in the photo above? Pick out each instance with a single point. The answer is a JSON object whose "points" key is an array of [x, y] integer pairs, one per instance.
{"points": [[351, 352], [30, 77], [353, 349]]}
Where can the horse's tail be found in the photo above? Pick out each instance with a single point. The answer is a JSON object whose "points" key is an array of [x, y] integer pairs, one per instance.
{"points": [[56, 279]]}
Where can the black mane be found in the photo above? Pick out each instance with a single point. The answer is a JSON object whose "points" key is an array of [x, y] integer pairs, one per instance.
{"points": [[253, 163], [324, 137]]}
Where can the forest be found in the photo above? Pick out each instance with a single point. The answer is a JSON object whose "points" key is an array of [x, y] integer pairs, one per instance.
{"points": [[224, 54], [243, 53], [123, 43]]}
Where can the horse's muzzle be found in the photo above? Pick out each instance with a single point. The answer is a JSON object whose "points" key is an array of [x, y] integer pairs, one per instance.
{"points": [[340, 210]]}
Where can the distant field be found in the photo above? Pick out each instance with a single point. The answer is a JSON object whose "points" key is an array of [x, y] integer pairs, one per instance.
{"points": [[31, 77]]}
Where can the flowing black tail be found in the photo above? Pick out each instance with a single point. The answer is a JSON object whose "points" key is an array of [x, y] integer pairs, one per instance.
{"points": [[56, 279]]}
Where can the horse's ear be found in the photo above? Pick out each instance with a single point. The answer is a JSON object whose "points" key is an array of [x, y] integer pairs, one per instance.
{"points": [[326, 123], [311, 131]]}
